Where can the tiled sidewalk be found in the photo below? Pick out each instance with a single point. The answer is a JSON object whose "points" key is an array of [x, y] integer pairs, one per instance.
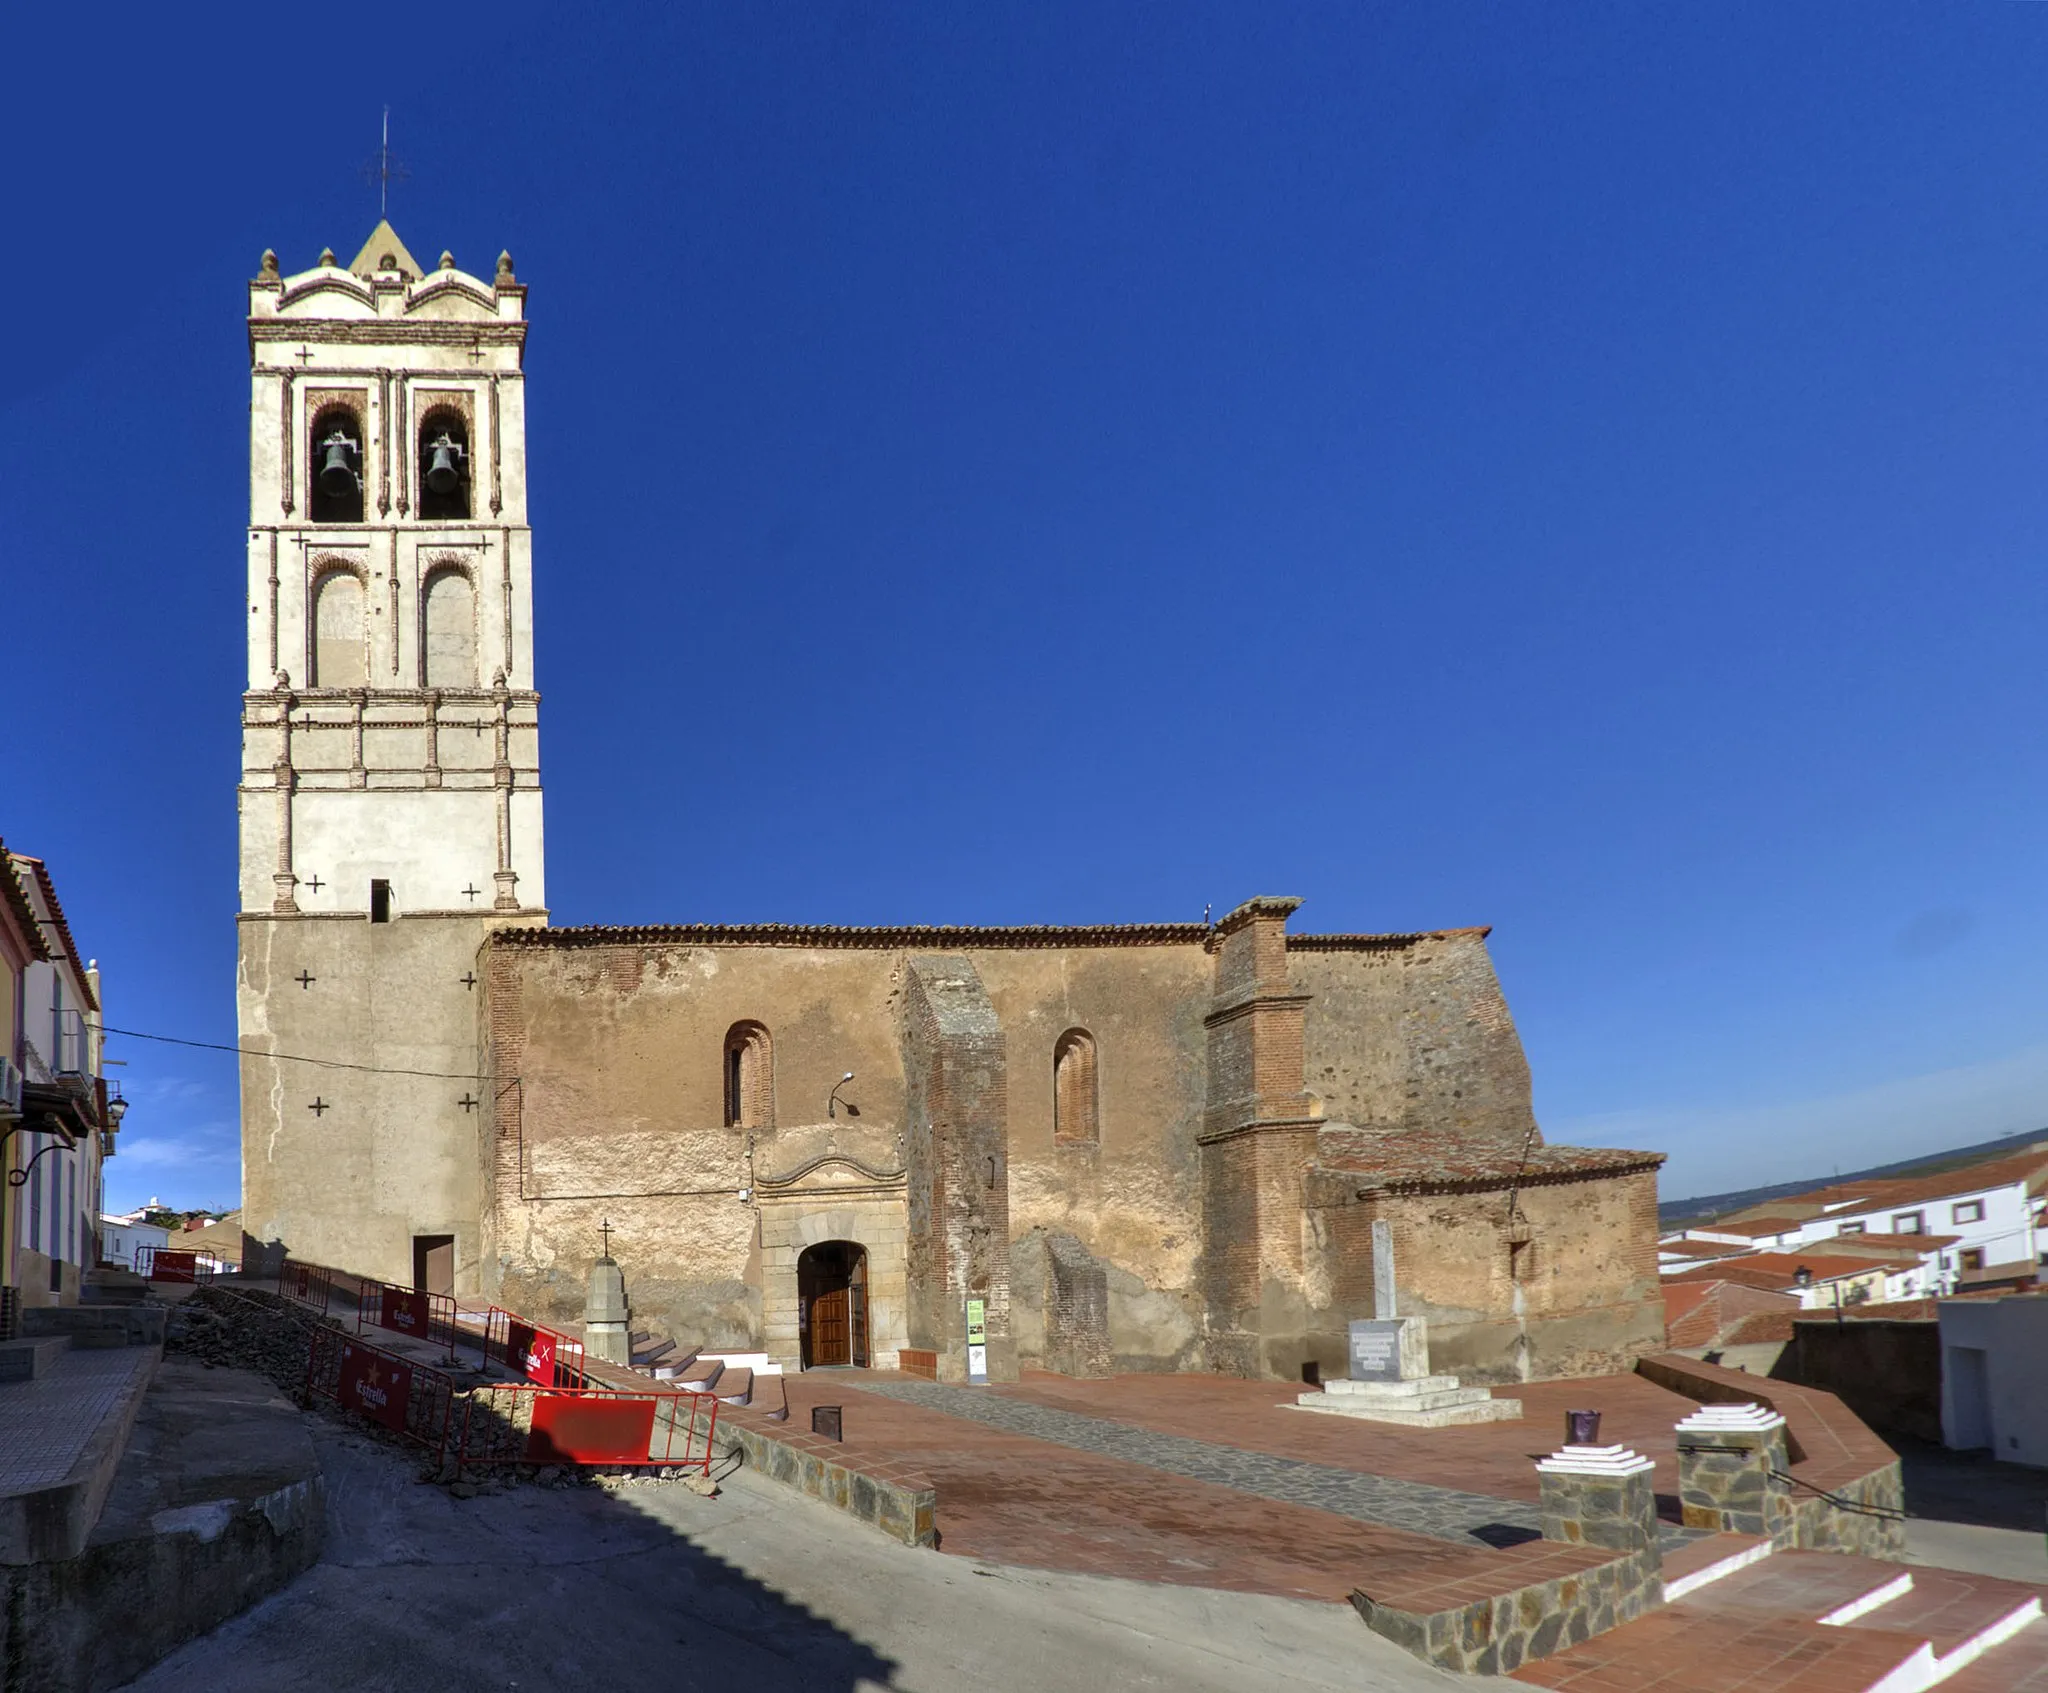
{"points": [[45, 1424]]}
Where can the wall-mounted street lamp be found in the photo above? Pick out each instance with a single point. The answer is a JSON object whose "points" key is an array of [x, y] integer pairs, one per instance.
{"points": [[833, 1101]]}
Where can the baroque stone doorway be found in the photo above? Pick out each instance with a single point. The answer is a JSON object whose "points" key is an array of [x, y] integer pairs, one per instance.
{"points": [[832, 1304]]}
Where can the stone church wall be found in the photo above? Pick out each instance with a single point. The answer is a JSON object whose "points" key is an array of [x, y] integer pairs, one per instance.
{"points": [[1411, 1031], [1579, 1297], [609, 1046], [617, 1112]]}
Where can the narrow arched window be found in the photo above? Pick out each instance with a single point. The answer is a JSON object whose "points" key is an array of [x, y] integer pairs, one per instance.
{"points": [[340, 650], [1073, 1089], [336, 466], [449, 639], [444, 465], [749, 1078]]}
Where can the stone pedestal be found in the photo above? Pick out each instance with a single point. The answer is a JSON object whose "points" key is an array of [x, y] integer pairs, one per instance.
{"points": [[1389, 1349], [607, 1323], [1726, 1458], [1390, 1382], [1599, 1496]]}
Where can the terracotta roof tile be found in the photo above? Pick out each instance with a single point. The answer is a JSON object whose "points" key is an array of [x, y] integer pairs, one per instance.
{"points": [[37, 868], [836, 935], [1422, 1161]]}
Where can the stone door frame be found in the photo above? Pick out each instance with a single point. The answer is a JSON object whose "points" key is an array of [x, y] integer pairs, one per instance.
{"points": [[872, 1217]]}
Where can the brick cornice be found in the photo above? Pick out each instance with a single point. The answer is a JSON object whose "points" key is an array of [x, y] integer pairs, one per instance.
{"points": [[1243, 1004]]}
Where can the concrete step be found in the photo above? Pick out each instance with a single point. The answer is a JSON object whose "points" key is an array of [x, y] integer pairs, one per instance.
{"points": [[1951, 1609], [735, 1385], [702, 1376], [674, 1365], [1940, 1622], [1813, 1585], [2018, 1665], [1481, 1409], [1383, 1389], [646, 1349], [26, 1360], [1432, 1400]]}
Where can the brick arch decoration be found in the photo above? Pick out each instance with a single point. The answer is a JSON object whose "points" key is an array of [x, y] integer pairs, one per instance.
{"points": [[336, 668], [449, 640], [1075, 1116]]}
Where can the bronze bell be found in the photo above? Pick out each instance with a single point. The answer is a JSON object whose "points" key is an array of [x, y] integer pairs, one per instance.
{"points": [[444, 469], [337, 468]]}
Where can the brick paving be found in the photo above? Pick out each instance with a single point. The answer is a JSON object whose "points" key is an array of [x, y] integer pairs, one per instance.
{"points": [[1495, 1459], [46, 1423], [1684, 1649], [1015, 1499], [1444, 1513]]}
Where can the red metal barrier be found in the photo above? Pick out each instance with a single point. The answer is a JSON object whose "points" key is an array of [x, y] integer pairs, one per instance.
{"points": [[521, 1423], [407, 1398], [543, 1355], [408, 1311], [311, 1285], [162, 1264]]}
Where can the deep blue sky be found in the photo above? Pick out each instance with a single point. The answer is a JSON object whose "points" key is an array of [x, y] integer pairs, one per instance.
{"points": [[1570, 467]]}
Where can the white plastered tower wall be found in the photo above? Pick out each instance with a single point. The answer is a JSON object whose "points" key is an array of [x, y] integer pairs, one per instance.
{"points": [[390, 790]]}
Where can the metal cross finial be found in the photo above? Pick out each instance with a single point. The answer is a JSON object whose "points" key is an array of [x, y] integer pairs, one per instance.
{"points": [[604, 1229], [385, 169]]}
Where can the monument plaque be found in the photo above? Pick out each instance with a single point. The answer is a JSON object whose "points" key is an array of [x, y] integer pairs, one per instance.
{"points": [[1375, 1351]]}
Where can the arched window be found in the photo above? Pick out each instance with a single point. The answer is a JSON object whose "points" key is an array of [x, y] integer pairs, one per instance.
{"points": [[1073, 1089], [444, 465], [340, 651], [749, 1078], [336, 466], [449, 643]]}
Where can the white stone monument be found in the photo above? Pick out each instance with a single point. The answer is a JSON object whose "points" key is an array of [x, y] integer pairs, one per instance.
{"points": [[1389, 1364]]}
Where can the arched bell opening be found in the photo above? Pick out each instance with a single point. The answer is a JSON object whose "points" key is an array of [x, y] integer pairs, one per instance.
{"points": [[336, 457], [444, 466], [832, 1304]]}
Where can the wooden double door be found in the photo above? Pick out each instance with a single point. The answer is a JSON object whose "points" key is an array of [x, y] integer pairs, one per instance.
{"points": [[832, 1304]]}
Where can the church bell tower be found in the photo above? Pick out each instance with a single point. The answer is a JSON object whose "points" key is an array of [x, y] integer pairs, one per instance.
{"points": [[390, 790]]}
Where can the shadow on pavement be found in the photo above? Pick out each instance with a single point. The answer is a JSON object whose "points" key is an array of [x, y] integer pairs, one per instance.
{"points": [[1969, 1487], [527, 1588]]}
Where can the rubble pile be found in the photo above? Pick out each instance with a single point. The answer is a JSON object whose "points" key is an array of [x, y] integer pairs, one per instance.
{"points": [[243, 1330]]}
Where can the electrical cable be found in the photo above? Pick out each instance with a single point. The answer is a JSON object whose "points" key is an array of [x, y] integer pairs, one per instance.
{"points": [[298, 1058]]}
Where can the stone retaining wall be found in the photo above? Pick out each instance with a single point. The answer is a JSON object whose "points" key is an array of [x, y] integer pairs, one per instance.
{"points": [[899, 1501], [1564, 1596]]}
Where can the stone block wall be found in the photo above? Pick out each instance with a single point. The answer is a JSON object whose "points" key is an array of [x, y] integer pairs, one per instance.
{"points": [[1076, 1309], [957, 1154], [1543, 1599]]}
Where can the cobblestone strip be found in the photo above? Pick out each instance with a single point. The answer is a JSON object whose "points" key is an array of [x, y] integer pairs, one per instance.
{"points": [[1443, 1513]]}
